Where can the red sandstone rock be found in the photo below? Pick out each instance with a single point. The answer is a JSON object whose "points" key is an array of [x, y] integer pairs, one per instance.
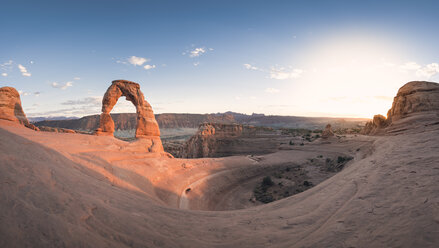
{"points": [[416, 96], [147, 126], [10, 107]]}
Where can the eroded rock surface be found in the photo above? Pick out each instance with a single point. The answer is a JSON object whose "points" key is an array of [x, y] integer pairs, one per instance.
{"points": [[378, 123], [414, 97], [10, 107], [220, 139], [147, 126]]}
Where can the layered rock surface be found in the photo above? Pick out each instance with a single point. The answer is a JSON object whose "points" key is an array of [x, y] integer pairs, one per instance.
{"points": [[414, 97], [10, 107], [219, 139]]}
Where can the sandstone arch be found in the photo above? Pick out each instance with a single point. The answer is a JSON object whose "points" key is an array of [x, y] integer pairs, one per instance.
{"points": [[147, 126]]}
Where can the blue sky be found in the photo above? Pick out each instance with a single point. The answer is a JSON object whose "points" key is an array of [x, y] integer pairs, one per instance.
{"points": [[307, 58]]}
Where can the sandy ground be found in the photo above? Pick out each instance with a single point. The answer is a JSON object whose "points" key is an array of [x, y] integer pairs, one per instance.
{"points": [[74, 190]]}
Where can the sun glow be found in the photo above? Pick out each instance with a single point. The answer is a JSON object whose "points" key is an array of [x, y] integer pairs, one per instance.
{"points": [[351, 77]]}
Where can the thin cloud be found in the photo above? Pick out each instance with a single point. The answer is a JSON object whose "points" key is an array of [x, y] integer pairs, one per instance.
{"points": [[137, 61], [62, 86], [149, 67], [425, 72], [283, 73], [271, 90], [4, 74], [251, 67], [93, 101], [76, 78], [197, 52], [24, 71], [428, 71], [22, 93], [410, 66]]}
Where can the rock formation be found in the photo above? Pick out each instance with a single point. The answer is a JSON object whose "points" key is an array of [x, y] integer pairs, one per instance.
{"points": [[147, 127], [414, 98], [10, 107], [327, 132], [205, 141], [220, 140], [378, 123]]}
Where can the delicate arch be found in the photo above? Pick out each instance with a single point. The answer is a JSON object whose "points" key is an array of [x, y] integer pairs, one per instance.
{"points": [[146, 124]]}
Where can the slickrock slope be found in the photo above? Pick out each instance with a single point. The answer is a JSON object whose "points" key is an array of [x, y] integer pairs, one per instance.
{"points": [[10, 107]]}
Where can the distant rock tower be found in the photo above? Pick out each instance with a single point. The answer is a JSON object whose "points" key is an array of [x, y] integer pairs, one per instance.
{"points": [[147, 127], [327, 132]]}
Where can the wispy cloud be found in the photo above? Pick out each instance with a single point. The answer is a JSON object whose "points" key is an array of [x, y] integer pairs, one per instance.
{"points": [[137, 61], [197, 52], [24, 71], [4, 74], [22, 93], [76, 78], [62, 86], [410, 66], [149, 67], [251, 67], [276, 72], [424, 72], [271, 90], [282, 73], [92, 101], [428, 71], [6, 65]]}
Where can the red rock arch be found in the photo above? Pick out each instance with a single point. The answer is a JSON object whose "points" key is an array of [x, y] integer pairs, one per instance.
{"points": [[147, 126]]}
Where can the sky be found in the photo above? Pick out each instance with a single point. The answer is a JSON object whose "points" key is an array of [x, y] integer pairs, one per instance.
{"points": [[303, 58]]}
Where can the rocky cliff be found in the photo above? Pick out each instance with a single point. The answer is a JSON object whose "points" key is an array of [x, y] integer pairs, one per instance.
{"points": [[414, 99], [219, 140]]}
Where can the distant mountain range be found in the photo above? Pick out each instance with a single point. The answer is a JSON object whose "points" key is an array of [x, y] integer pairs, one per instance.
{"points": [[55, 118], [127, 121]]}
